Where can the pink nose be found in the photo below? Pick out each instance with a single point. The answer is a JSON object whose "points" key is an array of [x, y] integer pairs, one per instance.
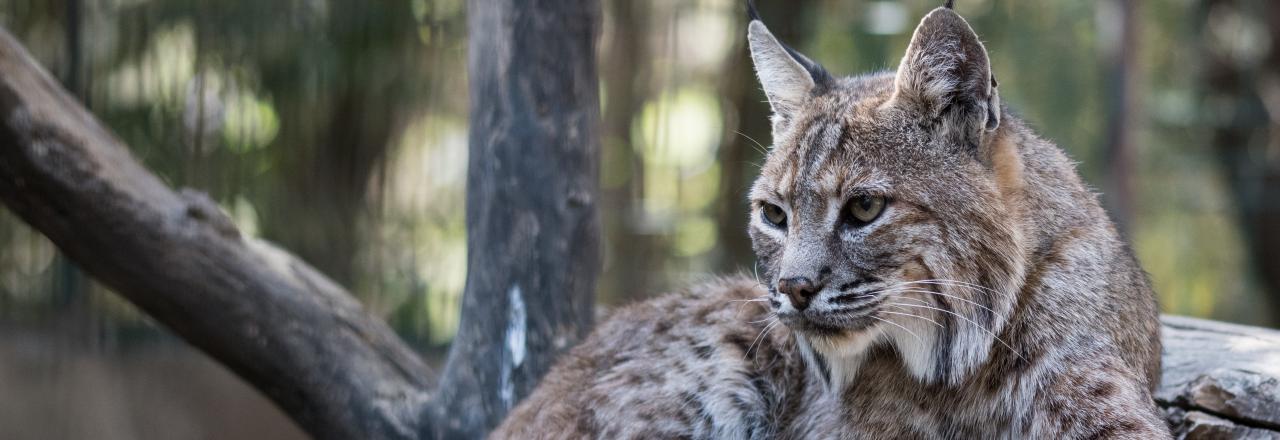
{"points": [[799, 289]]}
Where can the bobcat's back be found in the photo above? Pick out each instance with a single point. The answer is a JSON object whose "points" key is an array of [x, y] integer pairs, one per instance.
{"points": [[693, 365]]}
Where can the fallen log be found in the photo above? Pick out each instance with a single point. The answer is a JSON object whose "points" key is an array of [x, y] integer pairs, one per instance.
{"points": [[1221, 381]]}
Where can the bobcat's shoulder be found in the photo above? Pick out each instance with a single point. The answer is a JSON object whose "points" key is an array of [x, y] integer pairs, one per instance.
{"points": [[697, 364]]}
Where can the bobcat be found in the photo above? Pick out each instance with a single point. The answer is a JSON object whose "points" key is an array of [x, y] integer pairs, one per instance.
{"points": [[930, 269]]}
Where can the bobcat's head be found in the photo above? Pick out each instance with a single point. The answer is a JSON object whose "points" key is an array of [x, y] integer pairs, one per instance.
{"points": [[883, 211]]}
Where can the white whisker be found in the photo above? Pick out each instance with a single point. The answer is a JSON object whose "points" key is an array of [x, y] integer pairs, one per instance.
{"points": [[904, 298], [743, 302], [760, 148], [953, 283], [918, 338], [911, 315], [767, 330], [911, 290], [760, 337], [975, 324]]}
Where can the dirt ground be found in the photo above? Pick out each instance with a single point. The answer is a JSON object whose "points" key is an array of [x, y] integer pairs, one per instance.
{"points": [[53, 387]]}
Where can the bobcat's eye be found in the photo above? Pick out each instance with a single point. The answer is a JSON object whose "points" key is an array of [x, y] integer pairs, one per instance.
{"points": [[864, 209], [774, 215]]}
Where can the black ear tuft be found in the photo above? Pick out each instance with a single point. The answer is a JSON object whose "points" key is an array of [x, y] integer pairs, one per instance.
{"points": [[950, 4], [819, 74], [752, 13]]}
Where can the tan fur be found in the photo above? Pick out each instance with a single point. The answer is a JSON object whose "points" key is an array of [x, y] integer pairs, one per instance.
{"points": [[1008, 167], [990, 298]]}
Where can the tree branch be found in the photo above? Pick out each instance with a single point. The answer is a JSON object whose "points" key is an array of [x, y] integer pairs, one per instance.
{"points": [[295, 335]]}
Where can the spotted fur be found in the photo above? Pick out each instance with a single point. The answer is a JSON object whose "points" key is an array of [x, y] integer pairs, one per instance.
{"points": [[991, 297]]}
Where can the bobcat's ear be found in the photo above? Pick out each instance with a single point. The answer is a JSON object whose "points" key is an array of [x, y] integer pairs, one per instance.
{"points": [[788, 78], [946, 75]]}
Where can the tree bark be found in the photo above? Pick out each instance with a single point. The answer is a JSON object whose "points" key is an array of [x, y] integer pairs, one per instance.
{"points": [[1220, 381], [533, 238]]}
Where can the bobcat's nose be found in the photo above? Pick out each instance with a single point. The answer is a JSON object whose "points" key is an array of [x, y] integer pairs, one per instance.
{"points": [[799, 289]]}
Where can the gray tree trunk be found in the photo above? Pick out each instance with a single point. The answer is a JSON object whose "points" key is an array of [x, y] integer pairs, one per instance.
{"points": [[533, 236]]}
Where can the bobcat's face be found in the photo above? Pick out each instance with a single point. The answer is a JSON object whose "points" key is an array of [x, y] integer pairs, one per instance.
{"points": [[855, 210], [880, 212]]}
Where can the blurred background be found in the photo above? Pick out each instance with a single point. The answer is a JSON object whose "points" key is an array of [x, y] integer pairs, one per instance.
{"points": [[338, 128]]}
